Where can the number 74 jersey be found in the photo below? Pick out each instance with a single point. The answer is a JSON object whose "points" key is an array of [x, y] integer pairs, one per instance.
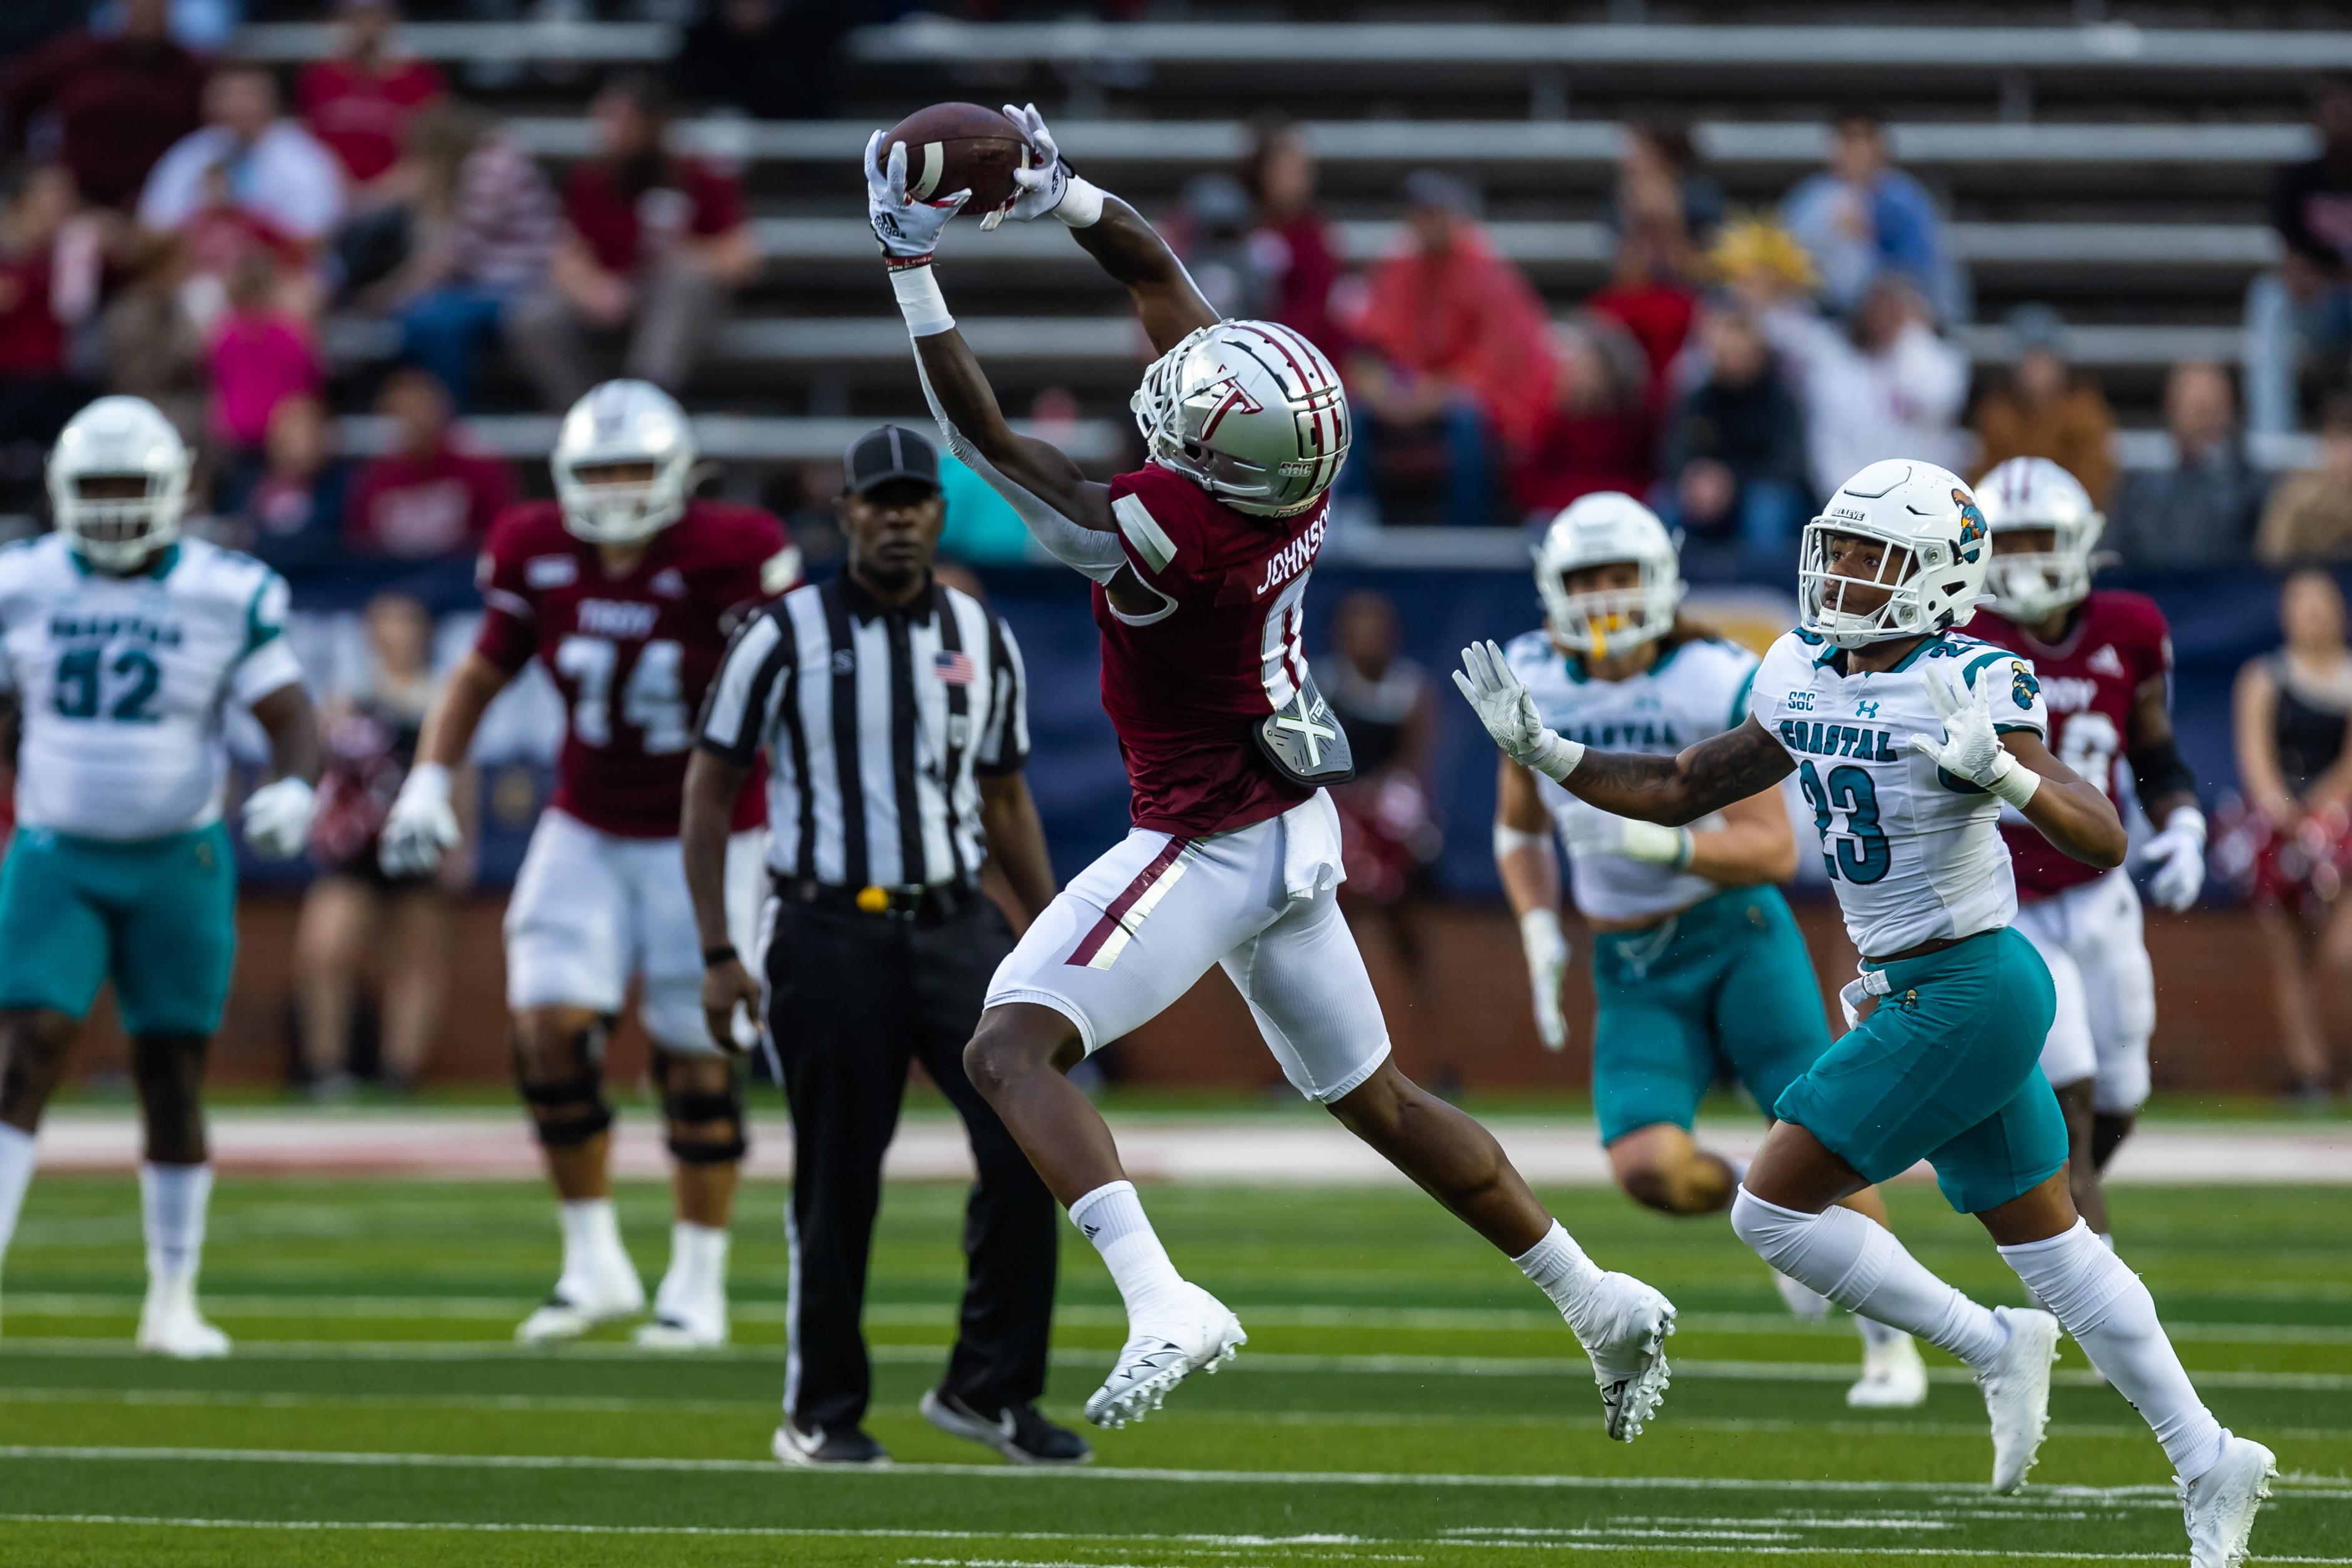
{"points": [[631, 654], [1914, 853]]}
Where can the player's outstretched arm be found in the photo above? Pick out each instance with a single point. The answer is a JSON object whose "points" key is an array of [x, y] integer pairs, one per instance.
{"points": [[1671, 790], [2017, 767], [422, 823], [1530, 874]]}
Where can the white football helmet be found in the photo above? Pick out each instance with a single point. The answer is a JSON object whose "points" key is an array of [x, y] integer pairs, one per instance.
{"points": [[624, 422], [117, 438], [2035, 493], [1251, 411], [1597, 530], [1938, 547]]}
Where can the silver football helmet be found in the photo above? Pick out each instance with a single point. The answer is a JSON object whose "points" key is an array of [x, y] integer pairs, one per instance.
{"points": [[1598, 531], [2031, 493], [624, 422], [119, 439], [1251, 411], [1938, 549]]}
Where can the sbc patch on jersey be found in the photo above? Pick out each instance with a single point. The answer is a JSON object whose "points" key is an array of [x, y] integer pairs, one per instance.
{"points": [[2023, 687]]}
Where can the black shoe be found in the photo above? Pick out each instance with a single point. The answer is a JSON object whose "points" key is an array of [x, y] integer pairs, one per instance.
{"points": [[1017, 1431], [795, 1446]]}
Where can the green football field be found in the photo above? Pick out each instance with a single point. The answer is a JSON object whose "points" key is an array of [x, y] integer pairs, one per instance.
{"points": [[1404, 1398]]}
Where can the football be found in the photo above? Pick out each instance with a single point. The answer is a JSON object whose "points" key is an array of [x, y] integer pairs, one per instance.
{"points": [[952, 147]]}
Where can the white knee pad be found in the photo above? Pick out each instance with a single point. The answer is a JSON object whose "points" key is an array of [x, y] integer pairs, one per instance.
{"points": [[1836, 1252]]}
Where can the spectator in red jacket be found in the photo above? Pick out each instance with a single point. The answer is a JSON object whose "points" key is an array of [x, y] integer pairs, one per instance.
{"points": [[654, 246], [1293, 244], [1597, 434], [359, 101], [120, 101], [424, 499]]}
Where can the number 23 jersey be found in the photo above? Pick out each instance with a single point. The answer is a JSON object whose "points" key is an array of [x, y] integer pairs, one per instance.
{"points": [[121, 681], [1914, 853], [633, 654]]}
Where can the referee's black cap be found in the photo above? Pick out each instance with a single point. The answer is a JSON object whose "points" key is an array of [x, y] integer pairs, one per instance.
{"points": [[890, 453]]}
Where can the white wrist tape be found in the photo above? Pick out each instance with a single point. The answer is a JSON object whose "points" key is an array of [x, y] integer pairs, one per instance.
{"points": [[1081, 204], [2016, 783], [1558, 760], [1539, 931], [428, 778], [2187, 820], [1508, 839], [920, 302]]}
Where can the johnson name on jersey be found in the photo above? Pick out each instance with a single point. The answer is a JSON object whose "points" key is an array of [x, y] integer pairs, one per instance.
{"points": [[1914, 853], [1696, 689], [1184, 684], [631, 654], [121, 681], [2092, 680]]}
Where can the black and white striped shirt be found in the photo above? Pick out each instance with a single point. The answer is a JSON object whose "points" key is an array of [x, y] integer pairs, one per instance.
{"points": [[877, 724]]}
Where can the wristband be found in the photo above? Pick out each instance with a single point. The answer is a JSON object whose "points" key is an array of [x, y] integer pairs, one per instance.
{"points": [[2187, 820], [1081, 205], [427, 777], [1539, 929], [1557, 758], [714, 957], [1508, 838], [920, 301], [2016, 783]]}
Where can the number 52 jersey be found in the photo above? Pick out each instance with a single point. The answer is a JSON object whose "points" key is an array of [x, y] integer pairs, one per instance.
{"points": [[1914, 853], [121, 681], [631, 654]]}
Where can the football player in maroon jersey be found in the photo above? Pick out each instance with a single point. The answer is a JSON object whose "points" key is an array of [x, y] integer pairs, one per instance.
{"points": [[1199, 561], [2105, 658], [625, 590]]}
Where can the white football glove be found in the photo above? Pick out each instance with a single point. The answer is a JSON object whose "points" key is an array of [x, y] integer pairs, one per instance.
{"points": [[1038, 189], [2177, 854], [907, 228], [1600, 832], [1509, 714], [421, 825], [1972, 748], [1548, 955], [277, 818]]}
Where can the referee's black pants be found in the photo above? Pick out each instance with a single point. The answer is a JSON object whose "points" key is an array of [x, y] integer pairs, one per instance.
{"points": [[852, 999]]}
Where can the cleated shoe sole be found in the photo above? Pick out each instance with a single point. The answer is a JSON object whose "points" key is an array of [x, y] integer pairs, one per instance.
{"points": [[1151, 1362]]}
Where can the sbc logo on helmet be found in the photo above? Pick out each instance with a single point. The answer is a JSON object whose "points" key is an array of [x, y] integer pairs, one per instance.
{"points": [[1972, 526]]}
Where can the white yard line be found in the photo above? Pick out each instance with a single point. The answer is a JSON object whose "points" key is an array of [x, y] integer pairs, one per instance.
{"points": [[1207, 1149]]}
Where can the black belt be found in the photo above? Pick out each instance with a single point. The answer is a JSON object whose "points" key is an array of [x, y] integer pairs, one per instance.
{"points": [[921, 906]]}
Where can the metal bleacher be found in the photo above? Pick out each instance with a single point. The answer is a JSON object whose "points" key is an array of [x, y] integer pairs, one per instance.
{"points": [[2115, 168]]}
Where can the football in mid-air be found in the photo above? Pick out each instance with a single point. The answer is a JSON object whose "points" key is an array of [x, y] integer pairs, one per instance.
{"points": [[953, 147]]}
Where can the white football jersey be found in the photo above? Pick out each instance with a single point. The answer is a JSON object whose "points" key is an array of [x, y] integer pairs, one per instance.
{"points": [[1694, 690], [121, 681], [1914, 853]]}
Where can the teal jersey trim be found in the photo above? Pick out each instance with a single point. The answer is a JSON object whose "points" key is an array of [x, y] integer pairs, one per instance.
{"points": [[1914, 656], [257, 634], [1740, 698]]}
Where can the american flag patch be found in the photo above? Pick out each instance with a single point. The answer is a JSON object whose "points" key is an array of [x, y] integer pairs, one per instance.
{"points": [[955, 667]]}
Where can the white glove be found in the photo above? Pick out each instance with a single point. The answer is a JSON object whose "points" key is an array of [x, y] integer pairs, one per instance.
{"points": [[1972, 748], [2177, 854], [277, 817], [1038, 189], [907, 228], [1600, 832], [421, 824], [1509, 714], [1548, 955]]}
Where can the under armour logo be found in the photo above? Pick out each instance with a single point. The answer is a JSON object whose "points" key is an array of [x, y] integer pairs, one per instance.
{"points": [[1314, 734], [1865, 710]]}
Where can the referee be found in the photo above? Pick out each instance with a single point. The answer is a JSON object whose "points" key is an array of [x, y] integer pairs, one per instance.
{"points": [[893, 711]]}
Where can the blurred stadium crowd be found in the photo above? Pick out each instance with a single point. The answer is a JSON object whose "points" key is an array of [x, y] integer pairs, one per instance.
{"points": [[358, 275]]}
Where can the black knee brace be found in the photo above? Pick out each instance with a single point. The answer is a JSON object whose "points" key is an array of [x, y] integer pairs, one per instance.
{"points": [[693, 1110]]}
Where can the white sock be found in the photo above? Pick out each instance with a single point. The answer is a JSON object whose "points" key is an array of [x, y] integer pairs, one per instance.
{"points": [[2111, 1315], [172, 1201], [1864, 1269], [16, 1176], [1112, 1217], [698, 1260], [1561, 1271], [592, 1235], [1877, 1336]]}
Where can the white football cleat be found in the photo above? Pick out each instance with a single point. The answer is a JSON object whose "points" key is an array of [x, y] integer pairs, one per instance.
{"points": [[1193, 1332], [1624, 1329], [578, 1306], [169, 1324], [1803, 1301], [2017, 1393], [674, 1330], [1893, 1378], [2219, 1506]]}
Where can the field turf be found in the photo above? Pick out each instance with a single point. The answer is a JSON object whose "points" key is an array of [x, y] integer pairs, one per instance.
{"points": [[1405, 1397]]}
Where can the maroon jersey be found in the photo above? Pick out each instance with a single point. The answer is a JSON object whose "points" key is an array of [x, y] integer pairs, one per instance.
{"points": [[631, 654], [1185, 686], [2091, 680]]}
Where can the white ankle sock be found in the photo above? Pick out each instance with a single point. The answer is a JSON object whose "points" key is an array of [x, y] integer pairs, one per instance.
{"points": [[1864, 1269], [698, 1260], [1561, 1271], [172, 1200], [1112, 1217], [591, 1233], [2111, 1315], [16, 1176]]}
